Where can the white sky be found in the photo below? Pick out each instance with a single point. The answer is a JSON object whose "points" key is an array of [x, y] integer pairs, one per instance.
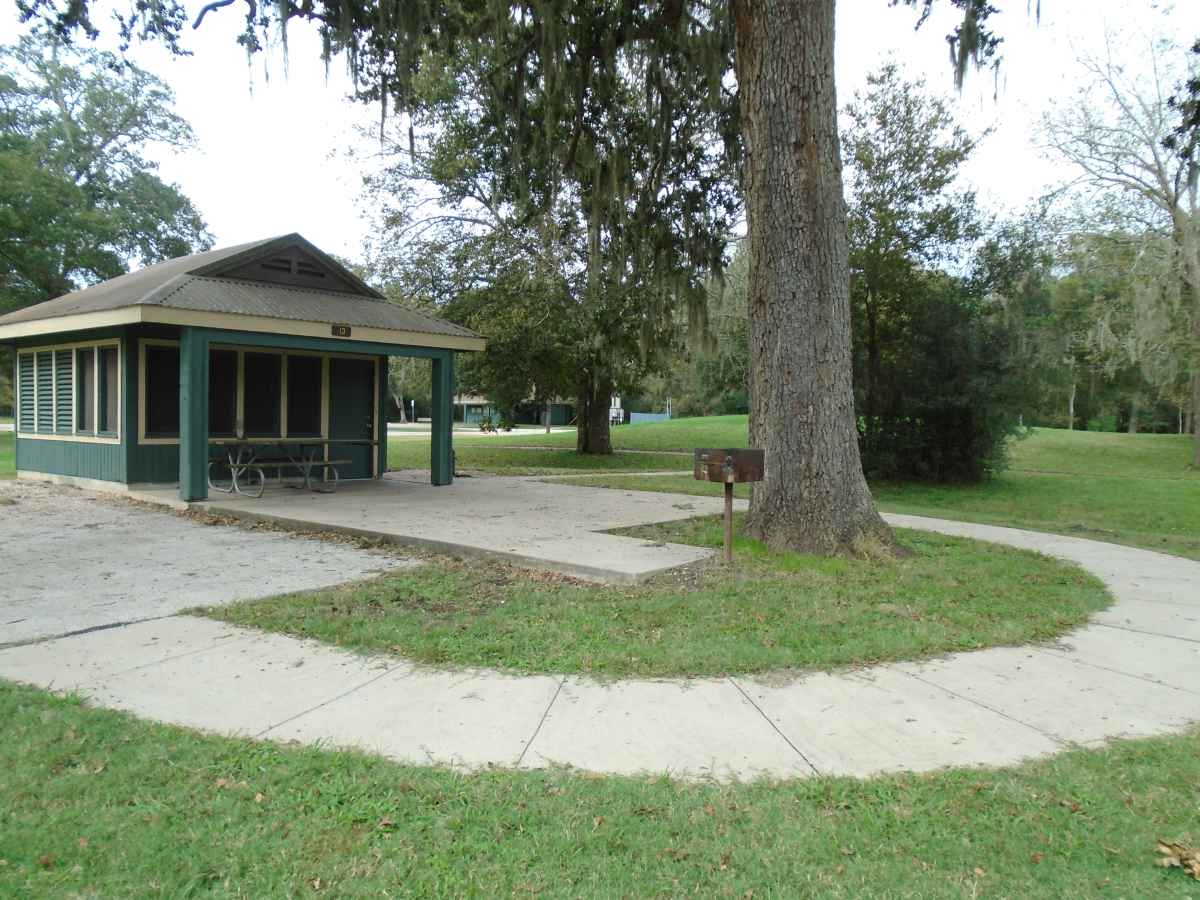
{"points": [[270, 150]]}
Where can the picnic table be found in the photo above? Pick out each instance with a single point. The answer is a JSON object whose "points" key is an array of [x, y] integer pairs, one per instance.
{"points": [[250, 459]]}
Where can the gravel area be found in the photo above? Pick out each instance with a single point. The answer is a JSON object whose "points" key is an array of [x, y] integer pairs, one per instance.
{"points": [[77, 560]]}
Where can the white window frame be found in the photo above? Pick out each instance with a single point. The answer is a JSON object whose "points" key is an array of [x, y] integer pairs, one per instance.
{"points": [[74, 435]]}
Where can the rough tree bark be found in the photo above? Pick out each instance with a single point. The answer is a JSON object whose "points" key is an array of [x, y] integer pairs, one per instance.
{"points": [[593, 400], [1071, 409], [814, 497], [1131, 426]]}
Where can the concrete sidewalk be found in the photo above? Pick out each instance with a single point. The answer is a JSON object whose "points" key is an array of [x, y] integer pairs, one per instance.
{"points": [[1133, 671]]}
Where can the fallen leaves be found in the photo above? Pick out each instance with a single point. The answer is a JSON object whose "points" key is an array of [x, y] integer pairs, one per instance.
{"points": [[1176, 855]]}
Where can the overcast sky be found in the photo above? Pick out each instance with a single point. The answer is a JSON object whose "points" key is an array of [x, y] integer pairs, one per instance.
{"points": [[270, 143]]}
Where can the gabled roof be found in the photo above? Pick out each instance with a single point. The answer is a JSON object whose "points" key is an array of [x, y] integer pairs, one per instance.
{"points": [[229, 282]]}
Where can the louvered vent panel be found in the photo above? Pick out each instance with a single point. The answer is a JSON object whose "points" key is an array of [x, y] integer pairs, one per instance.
{"points": [[63, 391], [25, 389], [45, 392]]}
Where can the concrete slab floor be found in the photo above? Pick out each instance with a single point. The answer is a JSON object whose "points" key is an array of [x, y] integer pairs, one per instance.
{"points": [[985, 708], [552, 526], [82, 560]]}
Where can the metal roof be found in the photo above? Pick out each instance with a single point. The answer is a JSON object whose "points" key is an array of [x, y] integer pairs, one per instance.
{"points": [[277, 301], [193, 283]]}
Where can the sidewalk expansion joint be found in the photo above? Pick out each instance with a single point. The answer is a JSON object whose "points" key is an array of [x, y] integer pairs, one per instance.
{"points": [[808, 762], [541, 722], [79, 632], [1046, 734], [1062, 654], [1173, 637], [304, 712]]}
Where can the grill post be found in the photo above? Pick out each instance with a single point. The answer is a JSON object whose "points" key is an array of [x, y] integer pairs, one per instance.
{"points": [[729, 466], [729, 523]]}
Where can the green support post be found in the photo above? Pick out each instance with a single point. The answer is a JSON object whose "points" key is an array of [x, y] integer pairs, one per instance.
{"points": [[382, 414], [193, 414], [441, 463]]}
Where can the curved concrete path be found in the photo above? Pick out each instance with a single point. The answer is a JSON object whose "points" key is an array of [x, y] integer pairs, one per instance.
{"points": [[1134, 670]]}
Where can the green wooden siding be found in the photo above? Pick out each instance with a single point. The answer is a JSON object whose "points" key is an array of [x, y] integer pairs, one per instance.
{"points": [[153, 463], [82, 459]]}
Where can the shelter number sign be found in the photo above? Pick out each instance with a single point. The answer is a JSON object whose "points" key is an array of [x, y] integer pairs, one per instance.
{"points": [[341, 331]]}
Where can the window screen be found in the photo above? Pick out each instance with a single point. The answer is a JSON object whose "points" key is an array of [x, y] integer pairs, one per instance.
{"points": [[25, 382], [162, 391], [262, 379], [85, 382], [108, 389], [304, 396], [222, 393]]}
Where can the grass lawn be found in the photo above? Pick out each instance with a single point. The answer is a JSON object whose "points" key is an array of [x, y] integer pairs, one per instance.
{"points": [[8, 455], [1127, 489], [485, 454], [774, 611], [99, 804]]}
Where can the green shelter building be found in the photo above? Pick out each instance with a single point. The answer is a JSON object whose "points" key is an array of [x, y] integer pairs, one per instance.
{"points": [[146, 378]]}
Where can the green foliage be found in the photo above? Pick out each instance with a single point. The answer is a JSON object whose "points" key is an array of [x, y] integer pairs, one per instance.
{"points": [[79, 199], [939, 383], [569, 231], [952, 389]]}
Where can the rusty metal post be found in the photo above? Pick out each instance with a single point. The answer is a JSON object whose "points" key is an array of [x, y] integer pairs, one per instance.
{"points": [[730, 466], [729, 523]]}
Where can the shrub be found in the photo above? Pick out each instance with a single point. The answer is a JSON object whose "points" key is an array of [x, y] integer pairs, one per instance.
{"points": [[949, 385]]}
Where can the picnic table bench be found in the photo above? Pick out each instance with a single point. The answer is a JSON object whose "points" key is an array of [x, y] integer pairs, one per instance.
{"points": [[248, 464]]}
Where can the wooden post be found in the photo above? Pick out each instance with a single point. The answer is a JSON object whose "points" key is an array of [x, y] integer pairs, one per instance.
{"points": [[193, 414], [381, 417], [728, 523], [441, 463]]}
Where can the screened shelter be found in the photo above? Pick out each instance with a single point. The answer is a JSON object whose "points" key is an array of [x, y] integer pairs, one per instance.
{"points": [[146, 378]]}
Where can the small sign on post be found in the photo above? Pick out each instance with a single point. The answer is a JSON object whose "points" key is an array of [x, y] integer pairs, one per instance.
{"points": [[730, 466]]}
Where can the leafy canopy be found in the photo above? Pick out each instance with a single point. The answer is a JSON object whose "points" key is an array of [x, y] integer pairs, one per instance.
{"points": [[79, 198]]}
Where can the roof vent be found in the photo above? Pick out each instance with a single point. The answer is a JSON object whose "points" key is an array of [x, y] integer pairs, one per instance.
{"points": [[312, 270], [277, 264]]}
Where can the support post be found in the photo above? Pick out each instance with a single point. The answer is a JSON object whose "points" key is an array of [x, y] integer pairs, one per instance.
{"points": [[729, 523], [193, 414], [381, 416], [441, 463]]}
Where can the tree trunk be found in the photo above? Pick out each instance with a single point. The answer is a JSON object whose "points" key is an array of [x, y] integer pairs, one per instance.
{"points": [[813, 497], [1071, 409], [595, 395], [548, 413], [874, 376], [1132, 425]]}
